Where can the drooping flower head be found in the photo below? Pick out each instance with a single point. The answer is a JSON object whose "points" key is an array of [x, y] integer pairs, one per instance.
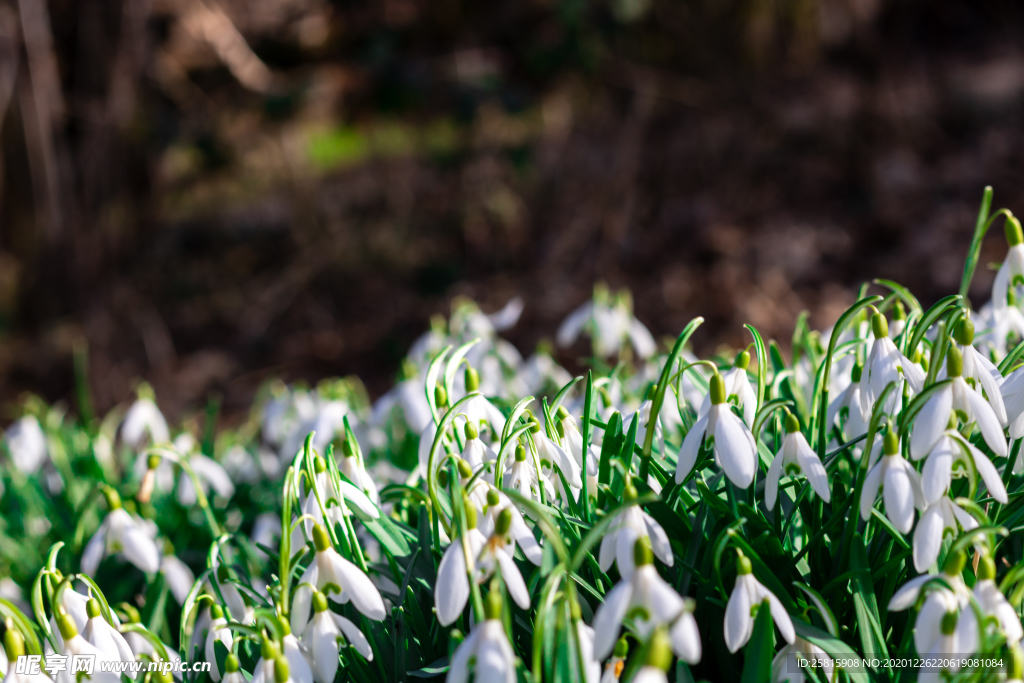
{"points": [[796, 457]]}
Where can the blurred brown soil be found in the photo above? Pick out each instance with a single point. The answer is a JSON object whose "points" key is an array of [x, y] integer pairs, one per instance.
{"points": [[302, 210]]}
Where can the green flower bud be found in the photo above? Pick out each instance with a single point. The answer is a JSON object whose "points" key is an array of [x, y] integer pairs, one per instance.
{"points": [[319, 602], [954, 362], [659, 651], [268, 649], [899, 312], [231, 663], [92, 608], [470, 513], [152, 462], [321, 539], [472, 380], [562, 413], [465, 470], [281, 671], [113, 498], [891, 442], [66, 625], [742, 360], [504, 522], [792, 423], [440, 396], [743, 566], [216, 612], [1014, 236], [471, 431], [986, 568], [949, 620], [629, 493], [492, 606], [493, 498], [14, 642], [642, 553], [879, 325], [717, 385], [965, 332], [520, 453], [319, 465], [955, 563], [621, 648], [534, 426]]}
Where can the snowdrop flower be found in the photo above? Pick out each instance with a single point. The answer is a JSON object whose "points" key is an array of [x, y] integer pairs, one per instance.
{"points": [[540, 369], [979, 368], [941, 516], [74, 644], [572, 439], [953, 635], [120, 533], [628, 526], [613, 669], [659, 660], [343, 493], [26, 443], [1012, 269], [142, 420], [218, 632], [550, 452], [14, 645], [883, 366], [737, 384], [734, 447], [106, 638], [932, 421], [857, 420], [651, 602], [208, 471], [298, 666], [951, 449], [478, 409], [321, 640], [585, 635], [344, 580], [900, 484], [232, 674], [795, 457], [489, 553], [521, 476], [748, 593], [609, 324], [476, 452], [352, 466], [520, 534], [993, 603], [177, 574], [487, 648], [783, 666]]}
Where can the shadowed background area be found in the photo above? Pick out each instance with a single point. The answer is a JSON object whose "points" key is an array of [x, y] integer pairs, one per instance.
{"points": [[208, 193]]}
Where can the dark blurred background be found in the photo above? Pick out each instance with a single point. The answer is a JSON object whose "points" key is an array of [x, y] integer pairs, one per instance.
{"points": [[213, 192]]}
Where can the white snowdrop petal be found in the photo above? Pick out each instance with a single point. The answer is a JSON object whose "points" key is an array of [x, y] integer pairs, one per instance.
{"points": [[690, 449], [608, 618], [928, 538], [513, 579], [452, 590], [733, 448], [738, 623], [898, 494], [931, 423], [987, 421], [354, 636], [685, 638]]}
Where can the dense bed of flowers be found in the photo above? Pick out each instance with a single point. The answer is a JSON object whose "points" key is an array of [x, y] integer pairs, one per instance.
{"points": [[853, 513]]}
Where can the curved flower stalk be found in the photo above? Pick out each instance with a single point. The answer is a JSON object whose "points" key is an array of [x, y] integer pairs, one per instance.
{"points": [[630, 525], [734, 447], [884, 365], [736, 385], [323, 637], [609, 324], [144, 422], [120, 533], [339, 579], [489, 553], [900, 484], [26, 443], [956, 396], [327, 494], [651, 603], [848, 402], [14, 646], [486, 650], [748, 593], [795, 457]]}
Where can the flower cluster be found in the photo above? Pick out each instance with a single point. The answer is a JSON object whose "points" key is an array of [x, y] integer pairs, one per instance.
{"points": [[493, 518]]}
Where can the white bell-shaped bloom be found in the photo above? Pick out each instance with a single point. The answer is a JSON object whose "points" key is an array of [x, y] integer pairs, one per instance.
{"points": [[331, 495], [489, 553], [322, 637], [933, 420], [651, 602], [144, 420], [521, 476], [658, 662], [106, 638], [615, 665], [980, 369], [486, 649], [329, 570], [994, 604], [476, 452], [120, 533], [748, 593], [785, 666], [795, 457], [73, 643], [736, 384], [609, 324], [26, 443], [857, 420], [629, 525], [548, 450], [14, 647], [1012, 269], [178, 576], [734, 447], [232, 672], [900, 484], [883, 366], [591, 666], [950, 633], [218, 632], [298, 666], [572, 441], [210, 473], [941, 516], [353, 467], [75, 605], [496, 503], [949, 451]]}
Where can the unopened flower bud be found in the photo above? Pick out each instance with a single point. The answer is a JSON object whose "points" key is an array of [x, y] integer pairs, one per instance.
{"points": [[898, 311], [465, 471], [472, 379], [742, 360], [504, 522], [14, 642], [471, 431], [965, 332], [642, 553], [440, 396], [493, 498], [1014, 236], [321, 540], [520, 453], [879, 325], [954, 362], [717, 385]]}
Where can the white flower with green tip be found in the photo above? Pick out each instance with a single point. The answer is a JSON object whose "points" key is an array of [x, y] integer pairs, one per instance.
{"points": [[734, 447], [795, 457], [748, 593]]}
